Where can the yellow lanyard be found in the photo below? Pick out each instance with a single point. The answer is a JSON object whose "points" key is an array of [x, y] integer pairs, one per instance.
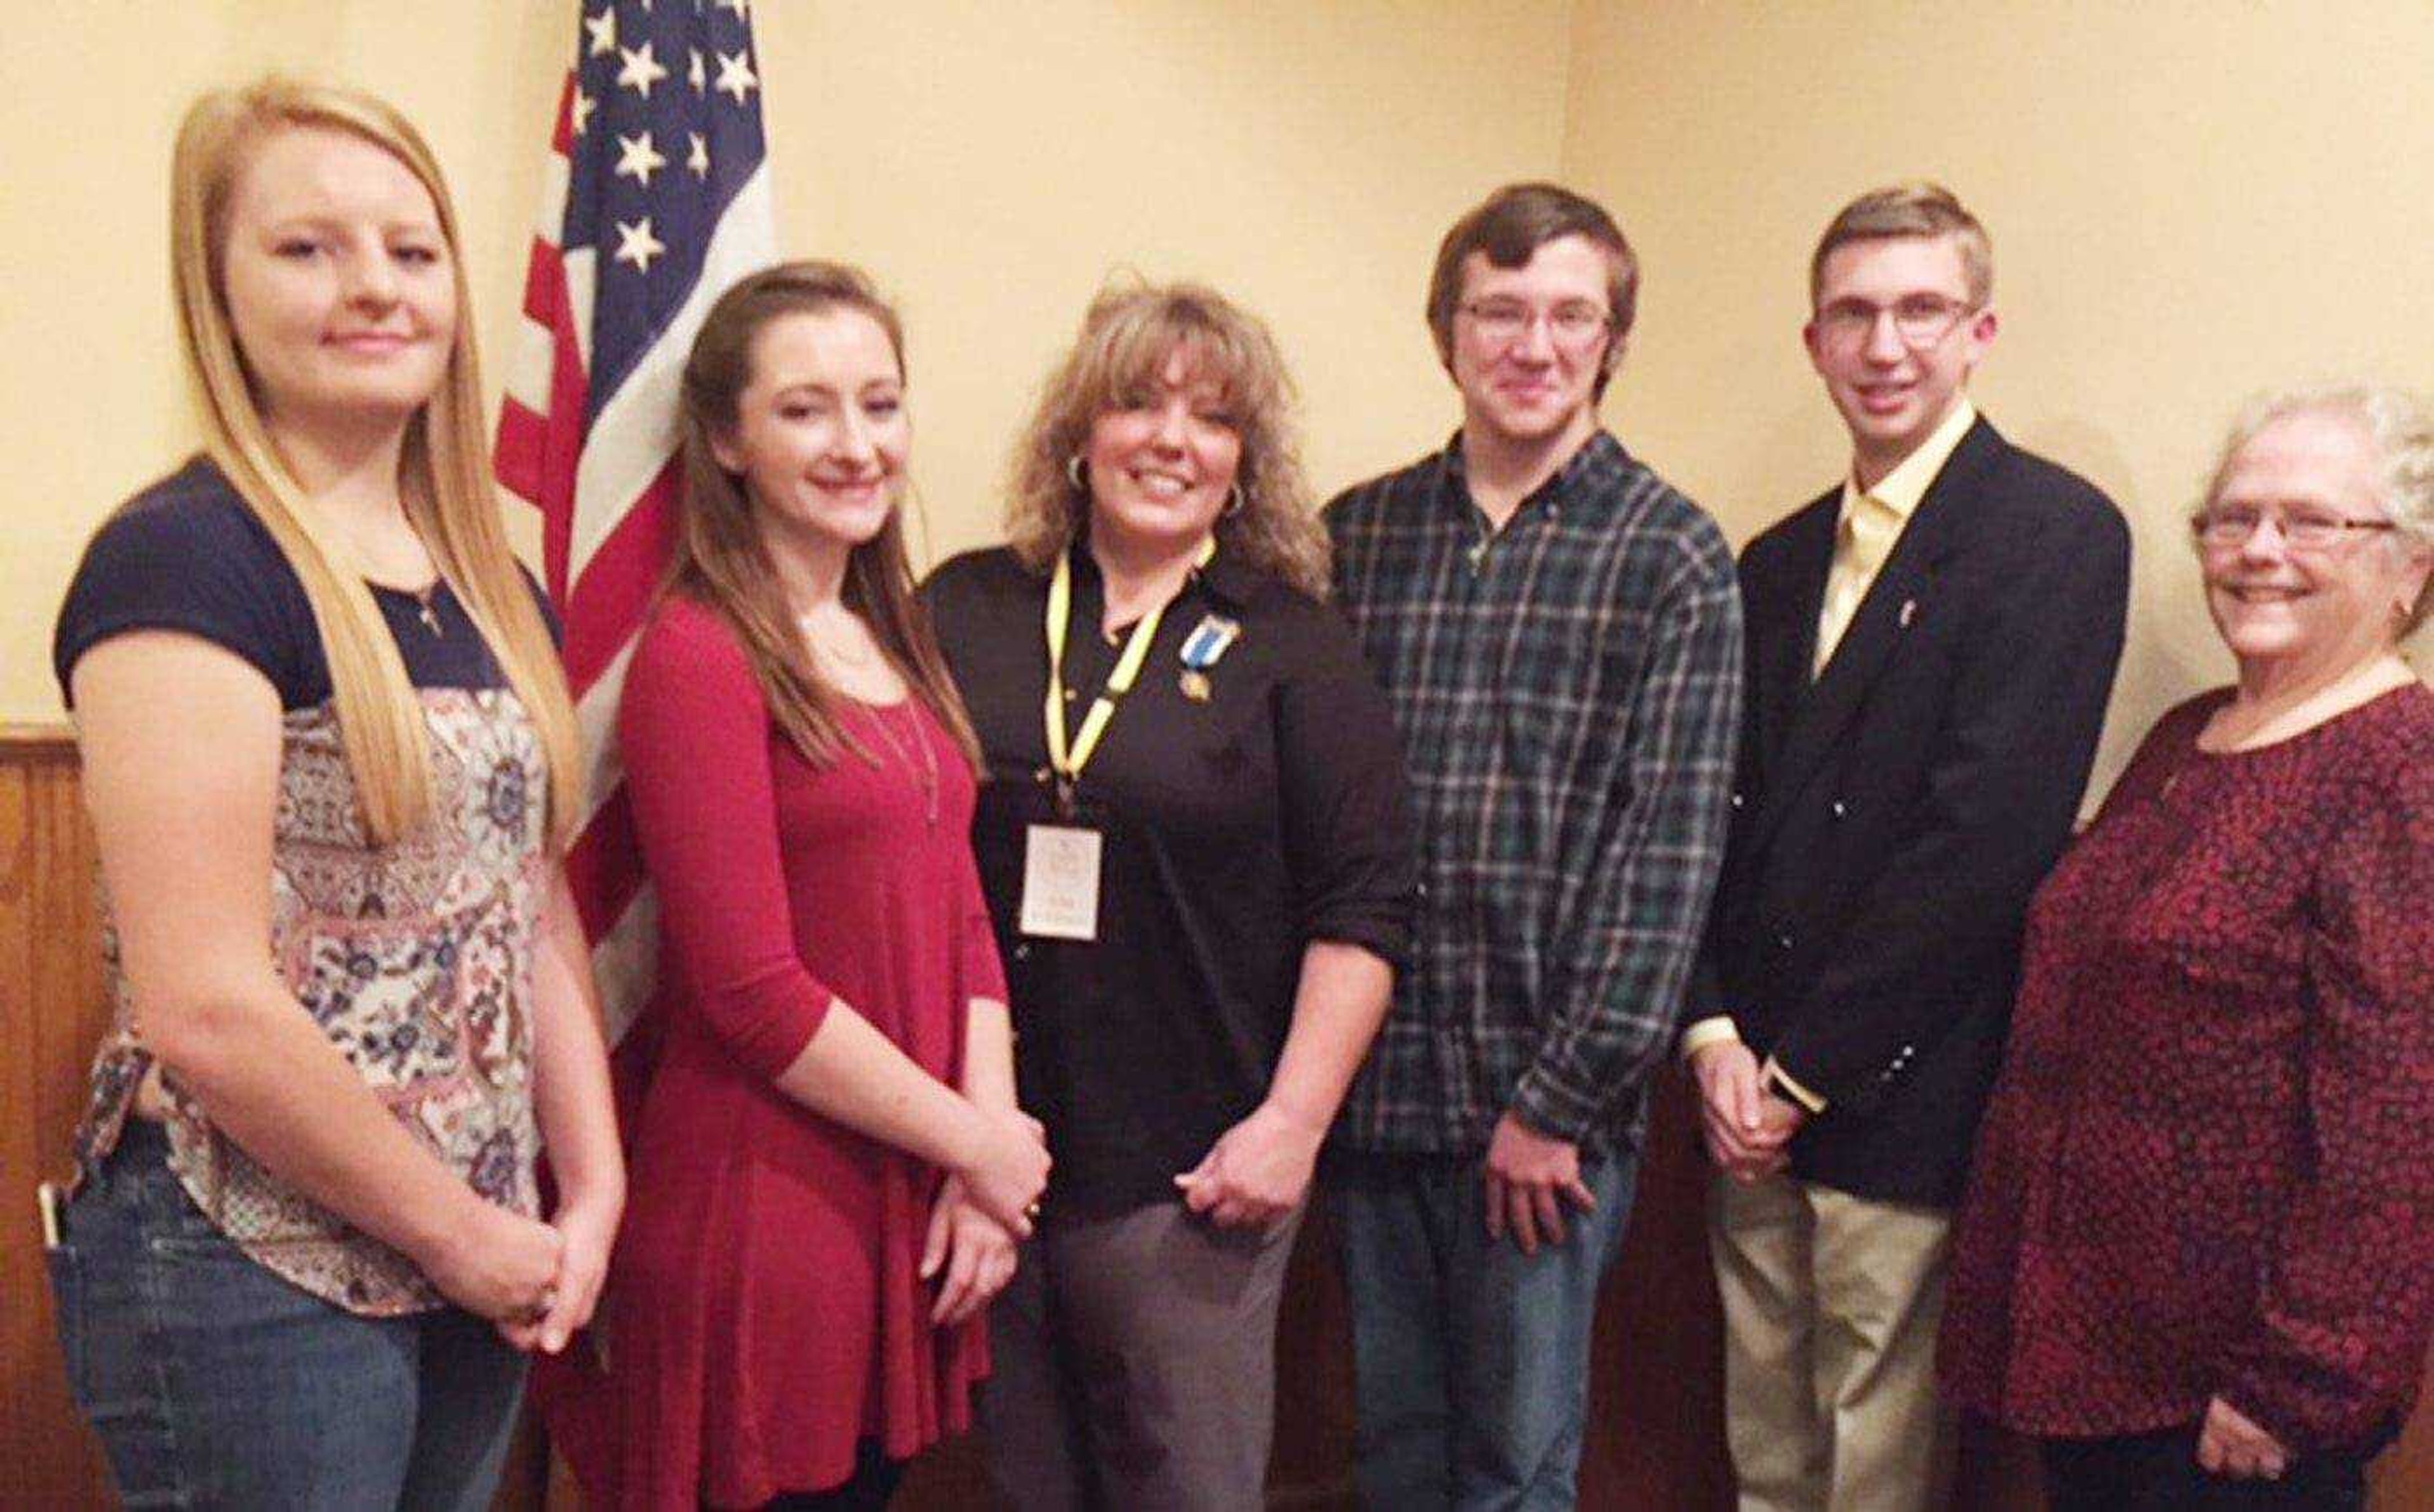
{"points": [[1069, 760]]}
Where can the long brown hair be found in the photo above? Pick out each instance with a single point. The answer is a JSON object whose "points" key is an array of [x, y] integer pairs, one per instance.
{"points": [[443, 472], [721, 561], [1131, 328]]}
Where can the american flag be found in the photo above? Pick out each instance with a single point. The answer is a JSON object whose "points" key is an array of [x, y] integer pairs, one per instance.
{"points": [[657, 199]]}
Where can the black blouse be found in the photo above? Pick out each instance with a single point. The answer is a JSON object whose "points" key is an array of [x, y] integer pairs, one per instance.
{"points": [[1237, 828]]}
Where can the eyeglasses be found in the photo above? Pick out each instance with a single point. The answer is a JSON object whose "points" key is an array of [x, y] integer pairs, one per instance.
{"points": [[1575, 322], [2306, 529], [1921, 320]]}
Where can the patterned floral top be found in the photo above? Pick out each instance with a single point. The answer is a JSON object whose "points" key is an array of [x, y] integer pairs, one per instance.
{"points": [[2204, 1169], [416, 959]]}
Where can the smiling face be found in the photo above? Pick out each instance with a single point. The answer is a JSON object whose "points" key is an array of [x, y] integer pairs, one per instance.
{"points": [[1162, 460], [820, 432], [1532, 384], [1893, 395], [339, 281], [2320, 610]]}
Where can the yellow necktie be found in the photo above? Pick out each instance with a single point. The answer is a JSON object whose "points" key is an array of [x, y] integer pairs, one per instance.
{"points": [[1861, 547]]}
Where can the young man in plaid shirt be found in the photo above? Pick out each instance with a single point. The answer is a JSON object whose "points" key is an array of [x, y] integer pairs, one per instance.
{"points": [[1560, 636]]}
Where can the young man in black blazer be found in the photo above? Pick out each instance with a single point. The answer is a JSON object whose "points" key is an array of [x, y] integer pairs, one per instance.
{"points": [[1929, 648]]}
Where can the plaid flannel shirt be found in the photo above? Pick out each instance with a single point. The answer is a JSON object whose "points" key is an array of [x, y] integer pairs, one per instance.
{"points": [[1567, 690]]}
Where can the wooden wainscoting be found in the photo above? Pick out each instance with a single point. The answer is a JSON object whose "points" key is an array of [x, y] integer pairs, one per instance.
{"points": [[51, 1015], [1654, 1442]]}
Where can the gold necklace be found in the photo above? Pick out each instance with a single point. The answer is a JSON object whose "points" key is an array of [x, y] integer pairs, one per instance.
{"points": [[926, 774]]}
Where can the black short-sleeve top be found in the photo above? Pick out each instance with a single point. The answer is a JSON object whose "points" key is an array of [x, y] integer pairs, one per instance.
{"points": [[415, 957], [1243, 814]]}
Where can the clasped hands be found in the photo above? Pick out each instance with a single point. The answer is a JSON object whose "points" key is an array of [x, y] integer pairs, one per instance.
{"points": [[1748, 1132], [982, 1213]]}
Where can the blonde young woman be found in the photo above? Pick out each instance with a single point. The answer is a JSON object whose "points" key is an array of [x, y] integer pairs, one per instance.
{"points": [[330, 760]]}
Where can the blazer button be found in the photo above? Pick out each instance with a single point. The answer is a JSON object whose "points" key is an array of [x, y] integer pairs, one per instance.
{"points": [[1783, 941], [1739, 802], [1840, 808], [1023, 951]]}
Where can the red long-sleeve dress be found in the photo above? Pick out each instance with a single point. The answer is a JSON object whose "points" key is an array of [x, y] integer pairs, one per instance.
{"points": [[2205, 1168], [763, 1307]]}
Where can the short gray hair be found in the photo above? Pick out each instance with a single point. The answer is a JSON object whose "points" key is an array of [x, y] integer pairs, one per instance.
{"points": [[2398, 422]]}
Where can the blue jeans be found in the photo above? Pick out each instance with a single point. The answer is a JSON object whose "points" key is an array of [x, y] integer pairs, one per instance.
{"points": [[1472, 1359], [214, 1384]]}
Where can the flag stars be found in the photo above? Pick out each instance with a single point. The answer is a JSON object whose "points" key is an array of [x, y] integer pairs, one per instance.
{"points": [[642, 70], [698, 158], [638, 160], [741, 7], [603, 29], [735, 75], [696, 74], [581, 111], [637, 245]]}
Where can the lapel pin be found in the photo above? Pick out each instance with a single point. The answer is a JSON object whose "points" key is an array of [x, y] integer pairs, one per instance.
{"points": [[1209, 640], [1909, 612]]}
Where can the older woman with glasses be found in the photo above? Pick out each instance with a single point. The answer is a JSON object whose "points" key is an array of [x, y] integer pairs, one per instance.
{"points": [[2197, 1256]]}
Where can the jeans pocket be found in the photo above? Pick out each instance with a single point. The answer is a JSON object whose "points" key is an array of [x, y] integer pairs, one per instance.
{"points": [[67, 1313]]}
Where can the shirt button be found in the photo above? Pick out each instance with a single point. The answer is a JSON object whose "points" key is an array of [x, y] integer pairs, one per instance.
{"points": [[1840, 808], [1070, 695], [1739, 802], [1022, 952], [1783, 941]]}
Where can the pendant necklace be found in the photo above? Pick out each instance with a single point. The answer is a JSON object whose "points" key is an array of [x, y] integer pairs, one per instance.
{"points": [[924, 771], [926, 774], [422, 607]]}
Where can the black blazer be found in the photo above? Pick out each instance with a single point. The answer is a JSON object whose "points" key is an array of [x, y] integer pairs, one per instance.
{"points": [[1893, 815]]}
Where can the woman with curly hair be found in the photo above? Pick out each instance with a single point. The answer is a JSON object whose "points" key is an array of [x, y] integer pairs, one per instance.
{"points": [[1196, 846]]}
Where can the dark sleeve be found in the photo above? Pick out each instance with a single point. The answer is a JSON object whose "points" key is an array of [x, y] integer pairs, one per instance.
{"points": [[2000, 794], [693, 732], [548, 610], [2346, 1299], [1347, 812], [1618, 998], [194, 566]]}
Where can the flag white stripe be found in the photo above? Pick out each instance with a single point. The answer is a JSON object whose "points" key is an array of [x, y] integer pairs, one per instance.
{"points": [[578, 266], [624, 962], [596, 715], [534, 366]]}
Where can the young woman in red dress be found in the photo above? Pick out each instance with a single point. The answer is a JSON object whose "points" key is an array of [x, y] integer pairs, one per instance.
{"points": [[829, 1172]]}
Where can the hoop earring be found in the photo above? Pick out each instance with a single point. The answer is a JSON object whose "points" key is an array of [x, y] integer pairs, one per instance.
{"points": [[1234, 499], [1073, 473]]}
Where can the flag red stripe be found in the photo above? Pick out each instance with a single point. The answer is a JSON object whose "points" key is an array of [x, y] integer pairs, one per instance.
{"points": [[604, 867], [606, 608], [561, 136]]}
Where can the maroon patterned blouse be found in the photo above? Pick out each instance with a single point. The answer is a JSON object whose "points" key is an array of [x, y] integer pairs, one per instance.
{"points": [[2208, 1166]]}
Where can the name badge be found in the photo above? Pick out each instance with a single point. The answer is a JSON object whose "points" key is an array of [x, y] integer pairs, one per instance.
{"points": [[1060, 882]]}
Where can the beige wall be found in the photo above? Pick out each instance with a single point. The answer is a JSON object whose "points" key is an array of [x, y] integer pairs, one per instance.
{"points": [[990, 163], [2190, 201]]}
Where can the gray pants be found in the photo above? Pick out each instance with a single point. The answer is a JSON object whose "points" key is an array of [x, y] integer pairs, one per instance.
{"points": [[1135, 1365]]}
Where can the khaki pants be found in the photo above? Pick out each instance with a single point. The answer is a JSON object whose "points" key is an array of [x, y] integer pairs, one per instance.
{"points": [[1830, 1308]]}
